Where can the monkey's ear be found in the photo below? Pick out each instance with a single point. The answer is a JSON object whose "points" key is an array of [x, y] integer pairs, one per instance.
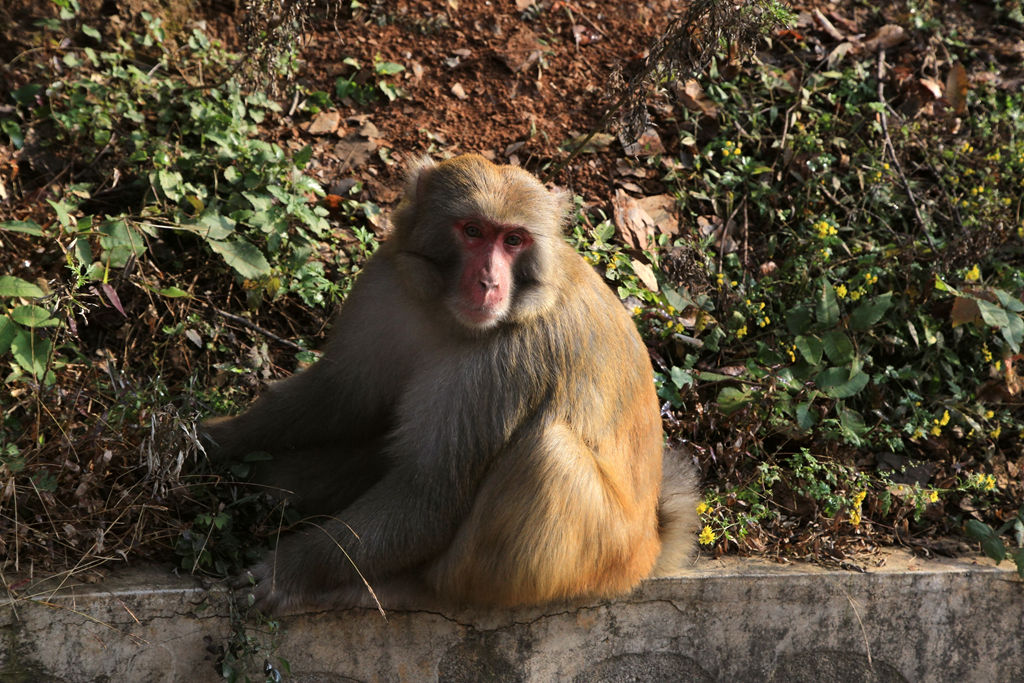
{"points": [[419, 170]]}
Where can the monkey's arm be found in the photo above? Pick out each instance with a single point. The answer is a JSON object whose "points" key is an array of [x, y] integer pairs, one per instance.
{"points": [[347, 396], [403, 521]]}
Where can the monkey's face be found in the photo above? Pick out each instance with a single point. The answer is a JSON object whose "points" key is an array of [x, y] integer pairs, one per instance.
{"points": [[486, 284], [488, 234]]}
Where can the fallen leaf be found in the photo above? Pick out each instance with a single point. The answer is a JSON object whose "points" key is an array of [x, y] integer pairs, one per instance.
{"points": [[459, 91], [596, 143], [693, 97], [712, 226], [956, 88], [932, 87], [522, 49], [632, 222], [354, 150], [645, 273], [885, 37], [324, 123], [647, 145], [662, 210], [965, 311]]}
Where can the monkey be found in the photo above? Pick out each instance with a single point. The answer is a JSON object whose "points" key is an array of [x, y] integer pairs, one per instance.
{"points": [[483, 422]]}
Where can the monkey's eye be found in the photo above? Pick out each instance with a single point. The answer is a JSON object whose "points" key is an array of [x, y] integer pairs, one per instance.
{"points": [[472, 230], [514, 240]]}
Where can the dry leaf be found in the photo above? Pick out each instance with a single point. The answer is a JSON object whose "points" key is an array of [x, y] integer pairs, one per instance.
{"points": [[956, 88], [965, 311], [324, 123], [632, 222], [459, 91], [648, 144], [645, 273], [522, 49], [662, 210], [712, 225], [932, 87], [597, 142], [885, 37], [693, 98], [523, 5]]}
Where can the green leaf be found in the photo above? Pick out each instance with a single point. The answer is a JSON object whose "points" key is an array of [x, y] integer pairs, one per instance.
{"points": [[1018, 559], [26, 94], [170, 183], [810, 348], [681, 377], [1008, 301], [388, 68], [731, 399], [827, 308], [838, 347], [840, 382], [172, 292], [798, 320], [91, 32], [26, 227], [852, 425], [805, 417], [31, 352], [7, 331], [15, 286], [243, 256], [33, 316], [120, 242], [978, 530], [870, 312], [302, 157], [13, 131]]}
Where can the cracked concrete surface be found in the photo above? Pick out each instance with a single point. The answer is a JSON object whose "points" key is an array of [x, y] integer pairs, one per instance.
{"points": [[734, 619]]}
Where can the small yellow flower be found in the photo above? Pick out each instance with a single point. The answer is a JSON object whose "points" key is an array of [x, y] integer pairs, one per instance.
{"points": [[702, 507], [989, 414], [933, 496], [742, 332], [996, 432], [764, 321], [720, 279], [989, 482], [637, 310], [918, 433], [944, 420], [855, 517], [986, 354], [733, 283], [707, 536], [870, 278], [936, 430], [792, 355], [974, 274], [856, 294], [841, 291], [671, 310]]}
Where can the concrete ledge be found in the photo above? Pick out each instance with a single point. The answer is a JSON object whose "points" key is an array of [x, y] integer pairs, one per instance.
{"points": [[733, 620]]}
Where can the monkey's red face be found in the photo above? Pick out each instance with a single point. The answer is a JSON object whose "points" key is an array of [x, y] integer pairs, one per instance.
{"points": [[486, 283]]}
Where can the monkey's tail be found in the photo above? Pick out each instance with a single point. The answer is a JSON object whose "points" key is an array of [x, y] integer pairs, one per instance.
{"points": [[677, 514]]}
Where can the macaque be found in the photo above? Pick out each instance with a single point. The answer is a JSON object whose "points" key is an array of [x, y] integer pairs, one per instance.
{"points": [[483, 423]]}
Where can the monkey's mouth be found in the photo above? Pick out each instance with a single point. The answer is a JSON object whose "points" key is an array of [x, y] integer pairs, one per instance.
{"points": [[479, 315]]}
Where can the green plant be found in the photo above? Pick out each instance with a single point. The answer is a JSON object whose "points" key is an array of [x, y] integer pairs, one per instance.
{"points": [[367, 85]]}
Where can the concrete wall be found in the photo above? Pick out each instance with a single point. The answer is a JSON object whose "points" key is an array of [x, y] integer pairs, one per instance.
{"points": [[735, 620]]}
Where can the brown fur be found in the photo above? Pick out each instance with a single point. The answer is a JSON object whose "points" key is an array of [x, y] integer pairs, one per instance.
{"points": [[516, 463]]}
